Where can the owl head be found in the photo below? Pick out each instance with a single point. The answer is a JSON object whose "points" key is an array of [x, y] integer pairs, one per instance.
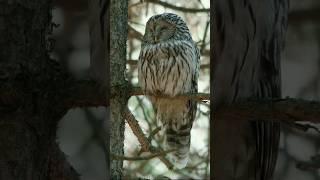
{"points": [[165, 27]]}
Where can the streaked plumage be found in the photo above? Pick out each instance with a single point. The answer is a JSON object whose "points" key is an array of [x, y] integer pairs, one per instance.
{"points": [[169, 65]]}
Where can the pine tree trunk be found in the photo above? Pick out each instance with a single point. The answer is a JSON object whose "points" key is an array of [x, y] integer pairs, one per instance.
{"points": [[118, 38]]}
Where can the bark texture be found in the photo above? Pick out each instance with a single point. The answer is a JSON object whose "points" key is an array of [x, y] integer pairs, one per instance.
{"points": [[118, 38], [34, 95], [247, 39]]}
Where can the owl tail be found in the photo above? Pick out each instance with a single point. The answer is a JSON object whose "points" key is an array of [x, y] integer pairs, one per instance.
{"points": [[178, 138]]}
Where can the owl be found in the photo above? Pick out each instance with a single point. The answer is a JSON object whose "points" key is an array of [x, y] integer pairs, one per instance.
{"points": [[169, 66]]}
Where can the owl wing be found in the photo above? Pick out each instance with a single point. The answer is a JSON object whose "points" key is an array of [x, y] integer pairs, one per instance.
{"points": [[170, 68]]}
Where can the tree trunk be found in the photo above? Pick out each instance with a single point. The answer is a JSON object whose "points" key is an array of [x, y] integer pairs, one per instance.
{"points": [[118, 102], [34, 95], [248, 38]]}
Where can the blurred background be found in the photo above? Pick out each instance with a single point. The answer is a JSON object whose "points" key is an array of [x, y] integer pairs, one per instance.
{"points": [[78, 133], [300, 66]]}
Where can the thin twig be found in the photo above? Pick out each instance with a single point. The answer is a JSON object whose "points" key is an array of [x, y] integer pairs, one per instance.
{"points": [[203, 45], [139, 158], [145, 144], [302, 127], [145, 115], [153, 133]]}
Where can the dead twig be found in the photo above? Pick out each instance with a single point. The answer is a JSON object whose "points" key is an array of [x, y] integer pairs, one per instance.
{"points": [[314, 165], [145, 144]]}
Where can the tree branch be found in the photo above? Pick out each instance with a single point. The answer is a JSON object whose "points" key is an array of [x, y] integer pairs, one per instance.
{"points": [[145, 144], [153, 133], [133, 33], [203, 45], [139, 158], [88, 93], [314, 165], [271, 109], [202, 97], [133, 62], [299, 16]]}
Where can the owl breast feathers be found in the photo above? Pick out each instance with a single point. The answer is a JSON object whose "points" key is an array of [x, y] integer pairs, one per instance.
{"points": [[169, 65]]}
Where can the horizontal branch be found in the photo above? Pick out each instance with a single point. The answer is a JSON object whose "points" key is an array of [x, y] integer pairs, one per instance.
{"points": [[88, 93], [292, 110], [313, 165], [139, 158], [202, 97], [299, 16], [133, 62]]}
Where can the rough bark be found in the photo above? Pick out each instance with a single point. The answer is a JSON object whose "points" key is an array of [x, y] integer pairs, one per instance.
{"points": [[247, 41], [34, 95], [29, 105], [118, 38]]}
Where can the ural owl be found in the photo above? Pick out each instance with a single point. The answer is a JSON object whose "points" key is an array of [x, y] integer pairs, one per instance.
{"points": [[168, 66]]}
